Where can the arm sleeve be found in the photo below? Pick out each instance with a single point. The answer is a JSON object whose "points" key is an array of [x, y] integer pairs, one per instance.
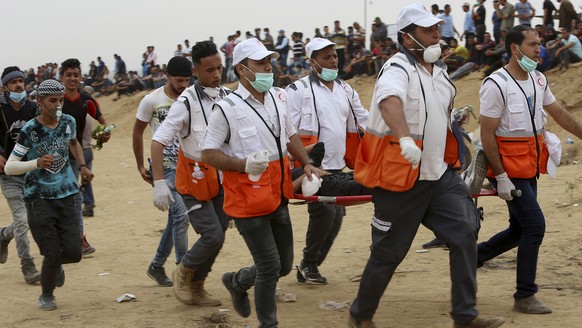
{"points": [[492, 102], [217, 130], [291, 130], [359, 110], [93, 108], [176, 121], [145, 110], [16, 167], [394, 82], [294, 98]]}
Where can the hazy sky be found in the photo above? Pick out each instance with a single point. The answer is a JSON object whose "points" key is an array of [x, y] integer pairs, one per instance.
{"points": [[39, 31]]}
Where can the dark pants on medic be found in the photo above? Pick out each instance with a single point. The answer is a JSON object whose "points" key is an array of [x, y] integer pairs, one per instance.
{"points": [[445, 207], [526, 231], [270, 241], [210, 222], [54, 225]]}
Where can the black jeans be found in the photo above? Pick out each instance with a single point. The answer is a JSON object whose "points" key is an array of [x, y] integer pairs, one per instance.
{"points": [[270, 241], [55, 228]]}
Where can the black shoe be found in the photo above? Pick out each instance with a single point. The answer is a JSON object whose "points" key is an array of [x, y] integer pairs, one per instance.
{"points": [[158, 274], [88, 210], [435, 243], [240, 301], [4, 241], [60, 279], [311, 274], [47, 302], [300, 278]]}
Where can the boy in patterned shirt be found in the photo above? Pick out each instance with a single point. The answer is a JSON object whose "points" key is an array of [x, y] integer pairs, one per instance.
{"points": [[50, 186]]}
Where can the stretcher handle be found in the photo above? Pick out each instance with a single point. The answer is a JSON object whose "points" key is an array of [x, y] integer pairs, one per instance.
{"points": [[516, 193]]}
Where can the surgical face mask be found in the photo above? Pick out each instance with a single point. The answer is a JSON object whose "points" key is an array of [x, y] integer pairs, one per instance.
{"points": [[526, 63], [57, 113], [431, 53], [212, 92], [263, 81], [17, 96], [326, 73]]}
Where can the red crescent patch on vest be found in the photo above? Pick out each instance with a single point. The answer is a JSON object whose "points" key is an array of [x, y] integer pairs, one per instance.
{"points": [[540, 81], [282, 96]]}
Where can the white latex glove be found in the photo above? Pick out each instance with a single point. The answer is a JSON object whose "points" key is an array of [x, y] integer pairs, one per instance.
{"points": [[410, 151], [504, 186], [162, 195], [257, 162]]}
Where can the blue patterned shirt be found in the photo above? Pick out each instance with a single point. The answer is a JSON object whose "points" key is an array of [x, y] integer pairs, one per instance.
{"points": [[36, 140]]}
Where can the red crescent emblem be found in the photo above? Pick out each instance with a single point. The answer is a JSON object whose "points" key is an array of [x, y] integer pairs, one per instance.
{"points": [[282, 96]]}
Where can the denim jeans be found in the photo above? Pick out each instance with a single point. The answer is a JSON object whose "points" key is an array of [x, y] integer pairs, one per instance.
{"points": [[87, 190], [210, 222], [270, 241], [12, 187], [526, 230], [176, 231]]}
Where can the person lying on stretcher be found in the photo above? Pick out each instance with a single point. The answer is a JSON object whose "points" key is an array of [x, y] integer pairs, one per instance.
{"points": [[332, 184]]}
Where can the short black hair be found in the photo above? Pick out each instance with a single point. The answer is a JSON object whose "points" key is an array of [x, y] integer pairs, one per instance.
{"points": [[516, 35], [203, 49], [70, 63]]}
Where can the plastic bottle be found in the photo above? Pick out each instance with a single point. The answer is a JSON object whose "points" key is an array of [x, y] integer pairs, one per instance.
{"points": [[261, 156]]}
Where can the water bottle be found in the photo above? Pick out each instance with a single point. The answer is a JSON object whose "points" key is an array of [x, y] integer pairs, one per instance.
{"points": [[261, 156], [198, 173]]}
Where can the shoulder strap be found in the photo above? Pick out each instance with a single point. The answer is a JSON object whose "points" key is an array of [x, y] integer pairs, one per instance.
{"points": [[187, 104], [226, 118], [502, 91]]}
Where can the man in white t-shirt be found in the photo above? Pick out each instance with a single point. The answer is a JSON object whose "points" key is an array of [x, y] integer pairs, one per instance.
{"points": [[571, 49], [514, 103], [152, 110]]}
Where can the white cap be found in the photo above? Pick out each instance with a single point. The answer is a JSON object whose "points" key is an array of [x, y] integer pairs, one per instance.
{"points": [[253, 49], [418, 14], [317, 44], [555, 149]]}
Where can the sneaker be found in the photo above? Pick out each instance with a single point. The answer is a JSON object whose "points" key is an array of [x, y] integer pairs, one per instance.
{"points": [[476, 172], [530, 305], [435, 243], [88, 210], [60, 279], [353, 323], [481, 321], [158, 274], [86, 249], [31, 275], [4, 241], [240, 301], [311, 274], [47, 302]]}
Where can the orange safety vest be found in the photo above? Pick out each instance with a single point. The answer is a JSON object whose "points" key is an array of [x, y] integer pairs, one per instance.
{"points": [[202, 189], [524, 153], [379, 162], [244, 198], [353, 133], [248, 133]]}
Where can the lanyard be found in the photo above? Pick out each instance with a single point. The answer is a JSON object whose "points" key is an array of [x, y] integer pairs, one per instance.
{"points": [[532, 110], [277, 137]]}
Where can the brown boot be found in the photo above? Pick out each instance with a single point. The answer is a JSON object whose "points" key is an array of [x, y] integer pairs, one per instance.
{"points": [[182, 277], [481, 321], [200, 296]]}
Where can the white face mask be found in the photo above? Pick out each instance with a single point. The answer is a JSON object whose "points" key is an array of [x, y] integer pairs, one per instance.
{"points": [[212, 92], [431, 53]]}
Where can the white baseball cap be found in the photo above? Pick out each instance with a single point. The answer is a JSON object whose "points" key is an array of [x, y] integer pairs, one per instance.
{"points": [[418, 14], [317, 44], [253, 49]]}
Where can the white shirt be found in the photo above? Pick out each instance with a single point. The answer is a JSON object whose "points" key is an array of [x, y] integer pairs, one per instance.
{"points": [[438, 94], [333, 111], [153, 109], [514, 111], [218, 127]]}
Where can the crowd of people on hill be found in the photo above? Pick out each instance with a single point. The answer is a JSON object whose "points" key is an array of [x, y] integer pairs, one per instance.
{"points": [[486, 51]]}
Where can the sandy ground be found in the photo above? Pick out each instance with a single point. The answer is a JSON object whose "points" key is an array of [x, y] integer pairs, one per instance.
{"points": [[126, 229]]}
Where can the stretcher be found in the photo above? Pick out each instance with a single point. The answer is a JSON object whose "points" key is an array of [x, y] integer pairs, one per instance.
{"points": [[363, 199]]}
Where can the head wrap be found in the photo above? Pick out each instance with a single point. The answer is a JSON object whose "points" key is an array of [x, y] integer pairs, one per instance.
{"points": [[50, 88], [179, 66], [11, 76]]}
